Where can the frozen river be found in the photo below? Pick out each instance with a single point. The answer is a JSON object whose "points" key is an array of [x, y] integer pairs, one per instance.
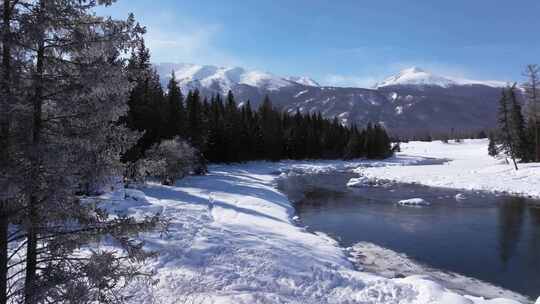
{"points": [[493, 238]]}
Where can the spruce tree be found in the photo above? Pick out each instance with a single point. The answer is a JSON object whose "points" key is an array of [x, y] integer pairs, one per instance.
{"points": [[147, 108], [505, 127], [175, 124], [517, 127], [492, 145], [532, 87], [232, 130], [272, 131], [195, 120], [354, 145], [76, 90], [11, 91], [215, 133]]}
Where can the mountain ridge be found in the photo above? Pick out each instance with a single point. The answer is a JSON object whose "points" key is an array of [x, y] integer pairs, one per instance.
{"points": [[420, 77], [409, 103]]}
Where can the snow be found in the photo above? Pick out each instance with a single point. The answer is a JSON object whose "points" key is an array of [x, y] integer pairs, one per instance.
{"points": [[414, 202], [301, 93], [460, 197], [226, 78], [419, 77], [391, 264], [303, 80], [263, 80], [358, 182], [415, 76], [468, 167], [232, 240]]}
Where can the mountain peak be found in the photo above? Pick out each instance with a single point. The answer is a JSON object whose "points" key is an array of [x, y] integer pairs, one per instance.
{"points": [[415, 76], [413, 70], [223, 79]]}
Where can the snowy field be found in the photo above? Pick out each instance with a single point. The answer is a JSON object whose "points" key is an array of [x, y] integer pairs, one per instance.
{"points": [[468, 167], [232, 239]]}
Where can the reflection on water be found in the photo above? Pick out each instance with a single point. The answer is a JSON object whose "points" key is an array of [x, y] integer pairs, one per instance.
{"points": [[511, 216], [489, 237]]}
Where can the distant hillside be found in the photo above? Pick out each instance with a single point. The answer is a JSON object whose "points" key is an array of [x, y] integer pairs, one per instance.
{"points": [[410, 102]]}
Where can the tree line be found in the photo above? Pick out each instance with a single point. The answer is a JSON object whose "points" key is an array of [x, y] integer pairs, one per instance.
{"points": [[224, 130], [518, 133]]}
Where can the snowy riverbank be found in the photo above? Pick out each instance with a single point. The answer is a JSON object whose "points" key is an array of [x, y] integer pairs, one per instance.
{"points": [[232, 240], [469, 167]]}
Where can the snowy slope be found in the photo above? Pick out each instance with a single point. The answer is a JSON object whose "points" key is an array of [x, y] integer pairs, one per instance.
{"points": [[415, 76], [469, 167], [223, 79], [232, 240], [303, 80]]}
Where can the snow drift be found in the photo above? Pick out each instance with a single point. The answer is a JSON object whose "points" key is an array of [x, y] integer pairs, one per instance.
{"points": [[232, 240]]}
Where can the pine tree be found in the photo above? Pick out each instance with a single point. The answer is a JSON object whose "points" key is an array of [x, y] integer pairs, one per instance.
{"points": [[382, 142], [354, 146], [69, 142], [232, 130], [271, 129], [492, 146], [216, 141], [532, 87], [195, 120], [505, 126], [147, 108], [517, 127], [247, 133], [9, 171], [175, 124]]}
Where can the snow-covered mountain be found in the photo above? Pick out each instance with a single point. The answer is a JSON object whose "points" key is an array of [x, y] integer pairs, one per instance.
{"points": [[411, 102], [303, 81], [223, 79], [415, 76]]}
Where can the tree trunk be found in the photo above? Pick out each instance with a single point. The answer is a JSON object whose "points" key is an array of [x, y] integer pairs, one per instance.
{"points": [[4, 146], [536, 137], [534, 81], [515, 164], [4, 224], [30, 292]]}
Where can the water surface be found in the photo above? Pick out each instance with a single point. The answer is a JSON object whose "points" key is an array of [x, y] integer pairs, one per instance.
{"points": [[494, 238]]}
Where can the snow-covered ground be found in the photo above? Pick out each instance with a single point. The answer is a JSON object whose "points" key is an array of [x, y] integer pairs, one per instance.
{"points": [[232, 239], [468, 167]]}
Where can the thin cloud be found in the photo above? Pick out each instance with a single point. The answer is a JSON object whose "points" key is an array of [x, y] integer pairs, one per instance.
{"points": [[194, 44], [337, 80]]}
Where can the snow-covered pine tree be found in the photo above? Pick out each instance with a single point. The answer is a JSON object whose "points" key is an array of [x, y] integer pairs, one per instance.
{"points": [[505, 126], [517, 127], [492, 145], [11, 181], [76, 91], [532, 87]]}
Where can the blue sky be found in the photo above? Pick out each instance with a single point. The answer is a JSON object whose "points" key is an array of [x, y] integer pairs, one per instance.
{"points": [[344, 42]]}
